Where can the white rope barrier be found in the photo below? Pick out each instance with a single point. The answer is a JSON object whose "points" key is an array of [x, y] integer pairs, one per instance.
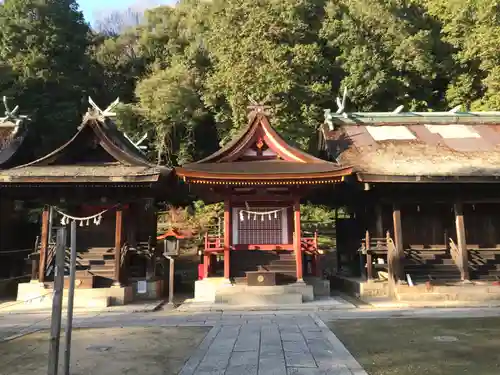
{"points": [[97, 218], [261, 214]]}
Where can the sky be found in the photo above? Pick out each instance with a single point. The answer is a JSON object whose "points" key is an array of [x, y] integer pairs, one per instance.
{"points": [[92, 8]]}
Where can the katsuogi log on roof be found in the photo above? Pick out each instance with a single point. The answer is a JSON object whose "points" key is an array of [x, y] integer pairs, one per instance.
{"points": [[416, 146], [97, 153], [259, 155]]}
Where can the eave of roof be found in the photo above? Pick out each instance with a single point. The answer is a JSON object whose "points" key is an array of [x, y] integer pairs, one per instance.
{"points": [[379, 178], [411, 118]]}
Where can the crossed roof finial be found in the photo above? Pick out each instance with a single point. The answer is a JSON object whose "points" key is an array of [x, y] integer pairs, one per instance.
{"points": [[108, 112], [258, 107], [12, 118]]}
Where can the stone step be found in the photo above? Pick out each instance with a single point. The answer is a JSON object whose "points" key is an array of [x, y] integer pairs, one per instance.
{"points": [[277, 268], [260, 299], [97, 250]]}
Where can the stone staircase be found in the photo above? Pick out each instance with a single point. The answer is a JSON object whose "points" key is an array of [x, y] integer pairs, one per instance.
{"points": [[484, 264], [431, 264], [282, 262]]}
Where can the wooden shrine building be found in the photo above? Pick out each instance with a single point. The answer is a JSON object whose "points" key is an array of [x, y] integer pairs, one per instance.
{"points": [[424, 196], [103, 181], [261, 180], [16, 148]]}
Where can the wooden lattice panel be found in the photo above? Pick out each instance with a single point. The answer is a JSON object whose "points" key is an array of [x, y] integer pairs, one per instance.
{"points": [[259, 229]]}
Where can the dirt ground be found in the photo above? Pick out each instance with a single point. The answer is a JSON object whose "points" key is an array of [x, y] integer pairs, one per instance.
{"points": [[110, 351], [452, 346]]}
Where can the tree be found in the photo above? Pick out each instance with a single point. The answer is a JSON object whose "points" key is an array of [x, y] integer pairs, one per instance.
{"points": [[269, 51], [44, 43], [472, 28], [387, 53], [116, 22]]}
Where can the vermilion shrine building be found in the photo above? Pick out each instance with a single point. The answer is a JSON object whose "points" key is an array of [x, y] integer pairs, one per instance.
{"points": [[261, 180]]}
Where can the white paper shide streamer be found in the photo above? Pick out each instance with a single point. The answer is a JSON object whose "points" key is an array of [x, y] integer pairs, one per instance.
{"points": [[262, 214], [96, 219]]}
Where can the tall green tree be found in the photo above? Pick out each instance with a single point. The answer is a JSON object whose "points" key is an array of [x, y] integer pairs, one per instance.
{"points": [[269, 51], [472, 28], [388, 53], [44, 44]]}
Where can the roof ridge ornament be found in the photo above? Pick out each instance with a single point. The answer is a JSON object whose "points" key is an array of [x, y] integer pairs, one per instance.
{"points": [[258, 107], [138, 144], [456, 109], [399, 109], [12, 117], [341, 104], [97, 112]]}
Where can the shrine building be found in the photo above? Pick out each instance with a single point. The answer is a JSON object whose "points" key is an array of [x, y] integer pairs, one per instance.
{"points": [[101, 180], [261, 179], [16, 148], [423, 198]]}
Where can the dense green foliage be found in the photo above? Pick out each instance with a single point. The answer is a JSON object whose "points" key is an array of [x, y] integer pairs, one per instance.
{"points": [[187, 73]]}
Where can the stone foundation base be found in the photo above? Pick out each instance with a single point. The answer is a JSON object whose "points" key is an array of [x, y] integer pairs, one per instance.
{"points": [[36, 293], [154, 289], [220, 290]]}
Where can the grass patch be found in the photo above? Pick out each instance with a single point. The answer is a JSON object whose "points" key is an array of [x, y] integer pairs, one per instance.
{"points": [[409, 347]]}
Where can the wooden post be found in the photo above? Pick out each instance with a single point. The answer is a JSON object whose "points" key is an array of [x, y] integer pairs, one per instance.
{"points": [[298, 241], [44, 244], [462, 242], [398, 259], [57, 301], [369, 261], [118, 243], [379, 221], [34, 267], [227, 238], [206, 265], [339, 265]]}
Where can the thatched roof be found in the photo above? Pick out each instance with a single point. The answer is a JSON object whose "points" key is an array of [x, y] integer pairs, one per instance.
{"points": [[431, 147]]}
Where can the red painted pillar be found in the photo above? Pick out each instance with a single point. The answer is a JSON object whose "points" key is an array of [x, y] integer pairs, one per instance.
{"points": [[227, 238], [298, 241], [206, 265]]}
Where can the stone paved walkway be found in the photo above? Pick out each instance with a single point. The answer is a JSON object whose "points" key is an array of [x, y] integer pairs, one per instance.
{"points": [[271, 345]]}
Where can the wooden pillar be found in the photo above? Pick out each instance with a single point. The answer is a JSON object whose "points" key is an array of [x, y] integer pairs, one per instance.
{"points": [[379, 223], [44, 244], [398, 258], [339, 264], [462, 243], [369, 260], [298, 240], [118, 243], [227, 238], [206, 265]]}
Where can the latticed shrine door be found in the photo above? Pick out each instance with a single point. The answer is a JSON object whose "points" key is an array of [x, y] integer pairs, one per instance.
{"points": [[261, 229]]}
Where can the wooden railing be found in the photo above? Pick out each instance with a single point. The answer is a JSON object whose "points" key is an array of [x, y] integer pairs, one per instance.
{"points": [[373, 246], [213, 242], [310, 244]]}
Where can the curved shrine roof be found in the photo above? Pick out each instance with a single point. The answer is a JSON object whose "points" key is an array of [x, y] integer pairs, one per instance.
{"points": [[97, 153], [258, 154]]}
